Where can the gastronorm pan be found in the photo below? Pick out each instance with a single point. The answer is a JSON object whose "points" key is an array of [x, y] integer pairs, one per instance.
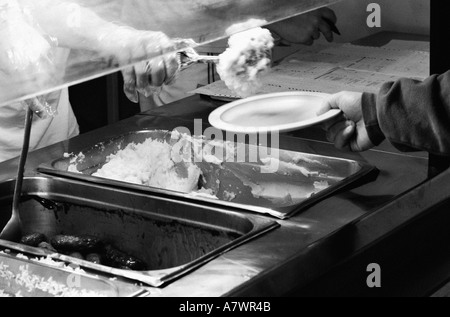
{"points": [[245, 182], [22, 276], [172, 237]]}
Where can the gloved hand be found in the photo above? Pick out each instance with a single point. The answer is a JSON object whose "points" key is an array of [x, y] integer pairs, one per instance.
{"points": [[41, 107], [307, 27], [128, 46], [25, 57]]}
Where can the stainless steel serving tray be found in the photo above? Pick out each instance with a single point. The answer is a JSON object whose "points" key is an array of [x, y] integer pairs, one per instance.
{"points": [[26, 277], [241, 184], [172, 237]]}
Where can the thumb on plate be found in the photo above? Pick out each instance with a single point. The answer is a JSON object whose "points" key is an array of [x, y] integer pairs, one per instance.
{"points": [[328, 104]]}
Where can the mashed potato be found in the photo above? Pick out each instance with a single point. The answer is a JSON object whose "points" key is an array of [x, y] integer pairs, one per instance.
{"points": [[247, 57], [152, 164]]}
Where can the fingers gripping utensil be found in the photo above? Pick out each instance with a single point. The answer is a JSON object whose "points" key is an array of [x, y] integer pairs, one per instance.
{"points": [[13, 229]]}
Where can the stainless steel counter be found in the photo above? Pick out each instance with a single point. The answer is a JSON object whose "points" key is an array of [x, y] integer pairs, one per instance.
{"points": [[305, 246], [355, 223]]}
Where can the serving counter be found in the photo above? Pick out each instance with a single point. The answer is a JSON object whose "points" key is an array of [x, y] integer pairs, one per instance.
{"points": [[290, 259], [395, 218]]}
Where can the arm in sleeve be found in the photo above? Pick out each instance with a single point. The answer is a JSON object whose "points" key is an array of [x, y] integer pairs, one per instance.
{"points": [[412, 115], [70, 24]]}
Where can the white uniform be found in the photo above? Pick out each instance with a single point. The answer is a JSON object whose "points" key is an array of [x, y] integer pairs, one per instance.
{"points": [[44, 132]]}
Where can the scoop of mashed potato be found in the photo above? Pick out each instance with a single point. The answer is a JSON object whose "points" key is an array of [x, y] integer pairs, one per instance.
{"points": [[152, 164], [247, 57]]}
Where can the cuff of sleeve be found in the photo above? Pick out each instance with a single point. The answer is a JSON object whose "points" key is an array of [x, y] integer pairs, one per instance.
{"points": [[369, 111]]}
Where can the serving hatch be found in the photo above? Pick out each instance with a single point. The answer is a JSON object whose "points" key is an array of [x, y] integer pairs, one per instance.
{"points": [[253, 178]]}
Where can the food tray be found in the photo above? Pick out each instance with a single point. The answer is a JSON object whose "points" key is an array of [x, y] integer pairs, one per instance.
{"points": [[172, 237], [246, 183], [28, 277]]}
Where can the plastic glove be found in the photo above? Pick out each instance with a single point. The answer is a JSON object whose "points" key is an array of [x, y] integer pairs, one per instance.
{"points": [[25, 56], [129, 46], [307, 27], [41, 107]]}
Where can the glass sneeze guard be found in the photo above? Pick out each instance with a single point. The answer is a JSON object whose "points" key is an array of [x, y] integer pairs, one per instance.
{"points": [[79, 58]]}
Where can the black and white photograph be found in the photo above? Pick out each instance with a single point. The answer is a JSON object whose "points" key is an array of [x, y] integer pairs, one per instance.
{"points": [[224, 154]]}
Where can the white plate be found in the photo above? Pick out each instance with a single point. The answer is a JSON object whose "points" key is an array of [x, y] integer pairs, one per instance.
{"points": [[283, 112]]}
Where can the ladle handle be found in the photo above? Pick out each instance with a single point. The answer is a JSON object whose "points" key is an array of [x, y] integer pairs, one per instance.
{"points": [[23, 158]]}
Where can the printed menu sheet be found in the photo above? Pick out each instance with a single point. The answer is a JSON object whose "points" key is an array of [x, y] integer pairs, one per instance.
{"points": [[408, 45], [331, 68]]}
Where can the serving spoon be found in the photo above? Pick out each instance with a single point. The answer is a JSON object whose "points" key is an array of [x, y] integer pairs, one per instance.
{"points": [[13, 229]]}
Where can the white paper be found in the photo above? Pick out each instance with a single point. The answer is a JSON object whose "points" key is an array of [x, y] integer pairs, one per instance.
{"points": [[337, 67], [408, 45]]}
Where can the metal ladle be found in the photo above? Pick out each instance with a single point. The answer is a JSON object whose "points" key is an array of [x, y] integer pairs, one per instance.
{"points": [[13, 229]]}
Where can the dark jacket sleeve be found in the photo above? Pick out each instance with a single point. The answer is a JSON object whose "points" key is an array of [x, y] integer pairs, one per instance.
{"points": [[412, 115]]}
